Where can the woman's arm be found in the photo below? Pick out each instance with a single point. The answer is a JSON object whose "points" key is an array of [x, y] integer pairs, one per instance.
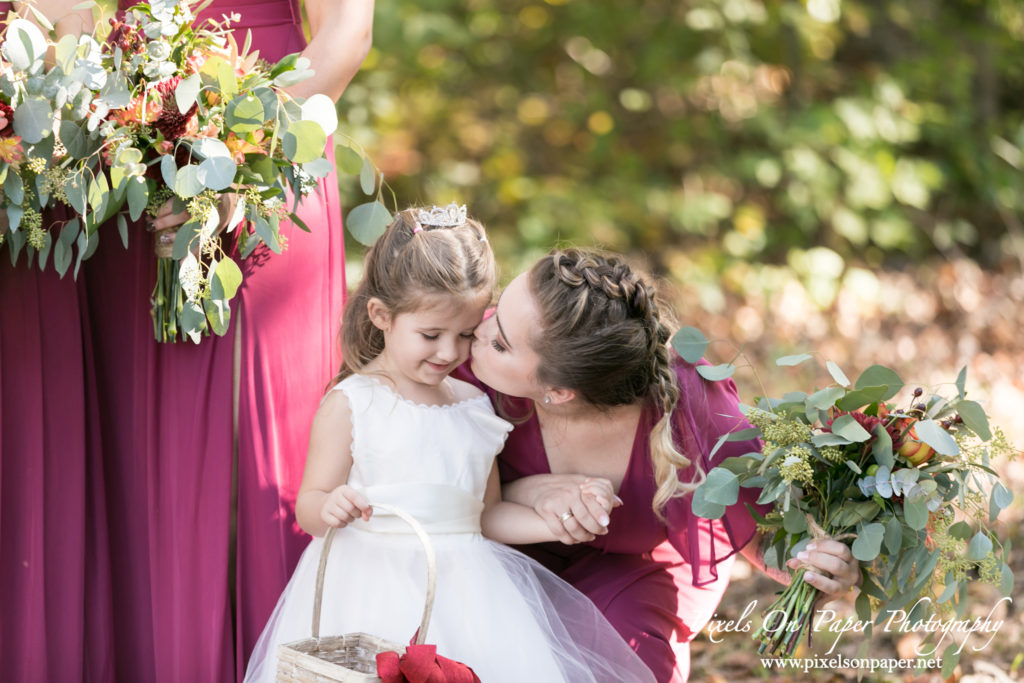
{"points": [[754, 554], [341, 34], [324, 498], [60, 13], [551, 496], [511, 523]]}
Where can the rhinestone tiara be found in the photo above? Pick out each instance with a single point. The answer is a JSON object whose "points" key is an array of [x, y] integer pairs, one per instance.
{"points": [[449, 216]]}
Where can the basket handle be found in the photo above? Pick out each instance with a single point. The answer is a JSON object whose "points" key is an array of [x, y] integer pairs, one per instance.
{"points": [[428, 548]]}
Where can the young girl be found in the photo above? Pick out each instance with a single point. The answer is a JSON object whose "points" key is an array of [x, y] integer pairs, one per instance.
{"points": [[397, 429]]}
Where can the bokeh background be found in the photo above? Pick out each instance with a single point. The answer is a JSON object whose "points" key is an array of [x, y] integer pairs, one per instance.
{"points": [[836, 176]]}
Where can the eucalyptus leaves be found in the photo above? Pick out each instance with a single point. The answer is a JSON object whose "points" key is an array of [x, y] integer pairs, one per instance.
{"points": [[910, 484]]}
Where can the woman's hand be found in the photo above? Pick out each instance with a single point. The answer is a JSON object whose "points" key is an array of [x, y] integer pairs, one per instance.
{"points": [[167, 223], [344, 505], [575, 507], [831, 568]]}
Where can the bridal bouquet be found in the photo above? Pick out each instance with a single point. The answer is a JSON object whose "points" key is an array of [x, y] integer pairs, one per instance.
{"points": [[150, 108], [907, 483]]}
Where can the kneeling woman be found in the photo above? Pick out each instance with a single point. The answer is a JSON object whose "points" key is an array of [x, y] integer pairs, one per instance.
{"points": [[611, 430]]}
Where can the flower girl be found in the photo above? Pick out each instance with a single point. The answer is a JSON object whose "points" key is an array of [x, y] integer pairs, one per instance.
{"points": [[396, 429]]}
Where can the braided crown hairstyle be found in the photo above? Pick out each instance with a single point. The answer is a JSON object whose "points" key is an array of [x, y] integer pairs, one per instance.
{"points": [[407, 266], [602, 335]]}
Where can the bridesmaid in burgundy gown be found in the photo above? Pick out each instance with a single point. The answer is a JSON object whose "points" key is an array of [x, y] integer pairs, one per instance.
{"points": [[202, 529], [54, 585], [577, 351]]}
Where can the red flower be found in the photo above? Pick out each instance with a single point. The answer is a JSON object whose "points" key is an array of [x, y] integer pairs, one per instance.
{"points": [[172, 123], [6, 120], [868, 422], [125, 37]]}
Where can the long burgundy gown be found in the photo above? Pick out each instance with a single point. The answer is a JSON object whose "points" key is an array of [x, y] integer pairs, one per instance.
{"points": [[168, 437], [54, 573], [657, 582]]}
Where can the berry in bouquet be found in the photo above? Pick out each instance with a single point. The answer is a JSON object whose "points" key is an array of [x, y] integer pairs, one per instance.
{"points": [[907, 482]]}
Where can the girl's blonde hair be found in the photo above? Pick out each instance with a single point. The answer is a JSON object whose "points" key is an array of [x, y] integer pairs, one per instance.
{"points": [[602, 335], [408, 266]]}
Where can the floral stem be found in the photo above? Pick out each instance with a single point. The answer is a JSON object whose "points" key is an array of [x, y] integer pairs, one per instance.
{"points": [[788, 617]]}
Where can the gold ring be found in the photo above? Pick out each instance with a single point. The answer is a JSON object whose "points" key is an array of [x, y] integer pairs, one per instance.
{"points": [[565, 516]]}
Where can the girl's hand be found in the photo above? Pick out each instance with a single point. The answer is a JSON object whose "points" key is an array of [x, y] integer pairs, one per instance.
{"points": [[344, 505], [832, 569], [575, 507], [167, 223]]}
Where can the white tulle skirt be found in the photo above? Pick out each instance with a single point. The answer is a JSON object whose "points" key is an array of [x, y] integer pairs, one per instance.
{"points": [[496, 610]]}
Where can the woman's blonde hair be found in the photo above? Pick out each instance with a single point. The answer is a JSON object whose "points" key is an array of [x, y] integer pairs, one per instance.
{"points": [[603, 336], [408, 266]]}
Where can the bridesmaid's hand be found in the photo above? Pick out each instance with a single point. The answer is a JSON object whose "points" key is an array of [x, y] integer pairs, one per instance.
{"points": [[831, 568], [344, 505], [575, 507], [167, 223]]}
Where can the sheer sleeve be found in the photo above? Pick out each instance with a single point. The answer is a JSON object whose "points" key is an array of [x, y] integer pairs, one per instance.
{"points": [[706, 410]]}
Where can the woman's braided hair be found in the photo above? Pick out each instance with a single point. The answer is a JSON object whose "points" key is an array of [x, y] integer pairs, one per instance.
{"points": [[603, 336]]}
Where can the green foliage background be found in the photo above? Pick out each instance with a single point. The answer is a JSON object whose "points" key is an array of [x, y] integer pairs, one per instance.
{"points": [[835, 176], [706, 132]]}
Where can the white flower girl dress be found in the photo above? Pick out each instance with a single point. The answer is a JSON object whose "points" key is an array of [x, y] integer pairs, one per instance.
{"points": [[495, 610]]}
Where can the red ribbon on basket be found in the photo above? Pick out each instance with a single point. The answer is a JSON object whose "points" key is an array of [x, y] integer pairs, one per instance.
{"points": [[422, 664]]}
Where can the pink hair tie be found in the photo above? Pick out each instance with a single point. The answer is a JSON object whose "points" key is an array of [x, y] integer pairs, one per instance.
{"points": [[418, 228]]}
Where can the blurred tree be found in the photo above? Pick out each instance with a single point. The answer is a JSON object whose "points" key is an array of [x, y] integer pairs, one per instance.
{"points": [[707, 130]]}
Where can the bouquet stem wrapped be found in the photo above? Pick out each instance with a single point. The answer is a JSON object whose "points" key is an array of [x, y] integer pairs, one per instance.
{"points": [[787, 618], [168, 300]]}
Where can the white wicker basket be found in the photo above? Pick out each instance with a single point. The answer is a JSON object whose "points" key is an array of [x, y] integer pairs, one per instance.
{"points": [[351, 657]]}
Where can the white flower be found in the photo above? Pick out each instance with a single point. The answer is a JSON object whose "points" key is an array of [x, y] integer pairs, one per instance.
{"points": [[185, 15], [159, 50]]}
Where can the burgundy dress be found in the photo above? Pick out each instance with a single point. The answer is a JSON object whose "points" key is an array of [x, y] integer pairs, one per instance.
{"points": [[54, 573], [202, 528], [657, 582]]}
